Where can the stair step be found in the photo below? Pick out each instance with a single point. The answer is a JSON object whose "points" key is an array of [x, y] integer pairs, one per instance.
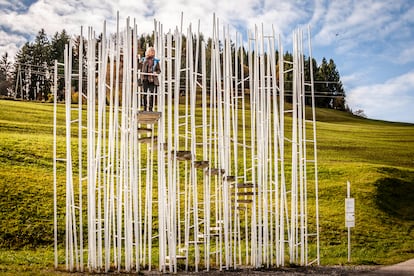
{"points": [[144, 130], [147, 140], [201, 164], [244, 185], [244, 201], [196, 242], [230, 178], [217, 171], [245, 193], [184, 155]]}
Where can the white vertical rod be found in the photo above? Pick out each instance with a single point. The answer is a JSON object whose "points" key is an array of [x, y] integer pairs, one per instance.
{"points": [[252, 124], [175, 183], [220, 154], [171, 226], [55, 226], [91, 152], [348, 195], [80, 151], [73, 207], [70, 208], [135, 159], [268, 223], [244, 145], [234, 122], [116, 194], [99, 148], [255, 164], [164, 216], [281, 251], [304, 207], [130, 146], [314, 146], [110, 164], [193, 179], [293, 229], [206, 180], [276, 138], [224, 160], [187, 187], [261, 146], [67, 218], [120, 157]]}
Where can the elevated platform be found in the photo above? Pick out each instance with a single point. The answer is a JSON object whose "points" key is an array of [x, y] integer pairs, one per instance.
{"points": [[148, 117]]}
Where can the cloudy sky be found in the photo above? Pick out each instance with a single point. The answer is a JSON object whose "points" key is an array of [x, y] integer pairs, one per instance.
{"points": [[371, 41]]}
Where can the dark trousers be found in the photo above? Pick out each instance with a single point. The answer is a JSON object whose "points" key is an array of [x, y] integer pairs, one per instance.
{"points": [[150, 89]]}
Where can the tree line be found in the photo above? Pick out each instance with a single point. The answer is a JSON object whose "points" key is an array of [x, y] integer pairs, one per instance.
{"points": [[30, 76]]}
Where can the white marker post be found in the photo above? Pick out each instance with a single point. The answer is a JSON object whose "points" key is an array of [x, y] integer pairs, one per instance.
{"points": [[349, 216]]}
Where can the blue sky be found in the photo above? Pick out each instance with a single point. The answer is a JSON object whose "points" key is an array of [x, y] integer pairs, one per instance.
{"points": [[371, 41]]}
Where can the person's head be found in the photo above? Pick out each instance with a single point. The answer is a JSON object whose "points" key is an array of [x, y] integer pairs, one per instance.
{"points": [[150, 52]]}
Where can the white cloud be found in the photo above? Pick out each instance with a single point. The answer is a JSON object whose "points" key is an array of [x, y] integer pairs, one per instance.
{"points": [[392, 100], [406, 55], [378, 29]]}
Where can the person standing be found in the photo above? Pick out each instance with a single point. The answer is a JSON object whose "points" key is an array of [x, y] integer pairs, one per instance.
{"points": [[150, 69]]}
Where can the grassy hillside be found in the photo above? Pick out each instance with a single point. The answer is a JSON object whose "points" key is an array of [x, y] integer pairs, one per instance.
{"points": [[376, 157]]}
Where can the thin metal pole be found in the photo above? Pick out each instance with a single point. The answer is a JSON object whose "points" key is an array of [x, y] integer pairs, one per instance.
{"points": [[348, 195], [80, 150], [55, 226], [314, 147]]}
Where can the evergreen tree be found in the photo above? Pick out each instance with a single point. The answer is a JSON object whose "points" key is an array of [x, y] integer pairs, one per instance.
{"points": [[23, 70], [5, 75], [288, 77], [335, 87], [329, 90], [307, 73], [41, 61], [322, 95], [57, 47], [57, 52]]}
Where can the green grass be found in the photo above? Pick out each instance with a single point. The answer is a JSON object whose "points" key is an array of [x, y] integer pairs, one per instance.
{"points": [[376, 157]]}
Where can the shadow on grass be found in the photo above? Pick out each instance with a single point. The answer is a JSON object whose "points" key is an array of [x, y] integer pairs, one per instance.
{"points": [[395, 193]]}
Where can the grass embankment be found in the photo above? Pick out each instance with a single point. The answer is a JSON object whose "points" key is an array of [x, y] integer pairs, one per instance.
{"points": [[376, 157]]}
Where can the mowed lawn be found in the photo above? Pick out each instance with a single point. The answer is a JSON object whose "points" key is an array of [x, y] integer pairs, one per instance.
{"points": [[376, 157]]}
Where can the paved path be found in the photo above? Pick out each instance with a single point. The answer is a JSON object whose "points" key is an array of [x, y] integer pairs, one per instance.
{"points": [[404, 268]]}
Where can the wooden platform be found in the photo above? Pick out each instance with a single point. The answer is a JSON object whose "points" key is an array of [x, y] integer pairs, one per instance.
{"points": [[148, 117]]}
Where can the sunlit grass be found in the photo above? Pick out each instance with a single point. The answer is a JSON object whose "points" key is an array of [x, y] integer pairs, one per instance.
{"points": [[376, 157]]}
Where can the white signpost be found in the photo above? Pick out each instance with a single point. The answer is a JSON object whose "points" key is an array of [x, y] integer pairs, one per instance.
{"points": [[349, 216]]}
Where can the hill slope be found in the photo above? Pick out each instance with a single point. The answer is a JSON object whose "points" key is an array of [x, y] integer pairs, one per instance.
{"points": [[376, 157]]}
